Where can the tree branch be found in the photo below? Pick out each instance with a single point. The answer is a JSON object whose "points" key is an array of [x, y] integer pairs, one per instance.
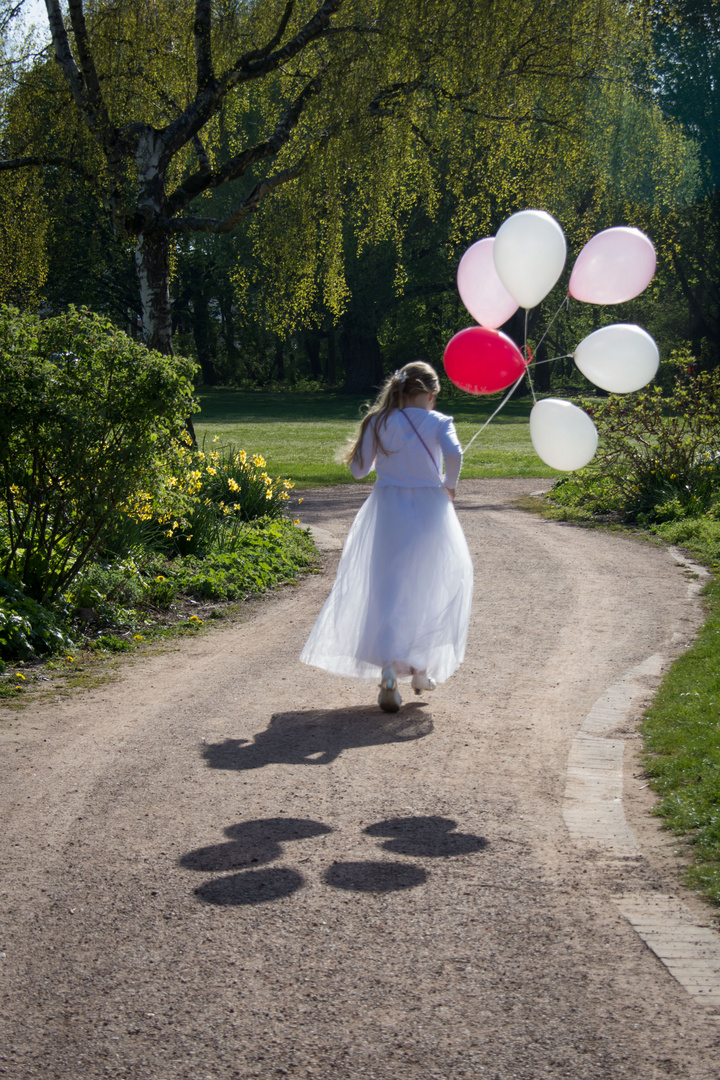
{"points": [[65, 59], [205, 166], [209, 99], [260, 54], [83, 82], [202, 29], [236, 167], [40, 161], [254, 66], [249, 204], [87, 64]]}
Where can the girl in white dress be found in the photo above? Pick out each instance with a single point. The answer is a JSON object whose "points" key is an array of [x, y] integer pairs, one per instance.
{"points": [[400, 605]]}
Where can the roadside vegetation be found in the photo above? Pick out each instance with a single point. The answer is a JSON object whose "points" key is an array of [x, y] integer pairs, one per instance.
{"points": [[114, 528], [658, 469]]}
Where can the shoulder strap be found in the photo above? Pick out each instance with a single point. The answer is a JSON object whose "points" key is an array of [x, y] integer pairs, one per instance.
{"points": [[429, 452]]}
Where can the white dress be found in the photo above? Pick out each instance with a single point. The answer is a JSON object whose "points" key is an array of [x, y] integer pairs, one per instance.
{"points": [[403, 589]]}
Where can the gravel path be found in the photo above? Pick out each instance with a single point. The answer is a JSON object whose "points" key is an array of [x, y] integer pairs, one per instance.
{"points": [[228, 865]]}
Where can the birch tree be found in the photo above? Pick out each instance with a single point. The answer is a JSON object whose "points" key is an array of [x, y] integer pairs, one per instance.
{"points": [[198, 115]]}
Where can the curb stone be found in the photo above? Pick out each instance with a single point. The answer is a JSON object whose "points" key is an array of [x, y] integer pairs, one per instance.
{"points": [[593, 813]]}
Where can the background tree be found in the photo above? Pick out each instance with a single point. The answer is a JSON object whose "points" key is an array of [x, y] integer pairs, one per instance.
{"points": [[183, 99], [687, 86]]}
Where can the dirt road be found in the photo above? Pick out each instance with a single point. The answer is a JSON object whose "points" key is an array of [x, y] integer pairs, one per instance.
{"points": [[227, 865]]}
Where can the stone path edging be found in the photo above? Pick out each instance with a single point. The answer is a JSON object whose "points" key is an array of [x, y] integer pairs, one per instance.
{"points": [[593, 813]]}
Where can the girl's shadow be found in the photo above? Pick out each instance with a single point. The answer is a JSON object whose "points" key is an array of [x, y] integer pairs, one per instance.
{"points": [[318, 736]]}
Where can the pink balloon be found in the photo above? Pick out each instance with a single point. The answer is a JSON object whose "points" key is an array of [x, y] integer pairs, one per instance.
{"points": [[614, 266], [481, 290], [483, 361]]}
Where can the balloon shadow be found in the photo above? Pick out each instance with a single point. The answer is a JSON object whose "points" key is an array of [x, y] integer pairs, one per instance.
{"points": [[319, 736], [431, 837], [374, 877], [250, 887], [252, 843]]}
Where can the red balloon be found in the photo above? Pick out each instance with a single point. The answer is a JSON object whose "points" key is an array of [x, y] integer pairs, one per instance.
{"points": [[483, 361]]}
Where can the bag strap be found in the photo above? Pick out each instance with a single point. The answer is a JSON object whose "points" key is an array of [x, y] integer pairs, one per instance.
{"points": [[429, 452]]}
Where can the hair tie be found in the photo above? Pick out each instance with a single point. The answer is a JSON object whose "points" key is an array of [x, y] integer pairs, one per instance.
{"points": [[400, 375]]}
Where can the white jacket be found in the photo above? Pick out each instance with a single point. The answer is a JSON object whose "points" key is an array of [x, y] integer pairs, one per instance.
{"points": [[406, 461]]}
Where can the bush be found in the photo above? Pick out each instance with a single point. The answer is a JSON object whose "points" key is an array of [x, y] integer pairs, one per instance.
{"points": [[659, 456], [27, 629], [225, 489], [89, 424], [265, 554], [701, 536]]}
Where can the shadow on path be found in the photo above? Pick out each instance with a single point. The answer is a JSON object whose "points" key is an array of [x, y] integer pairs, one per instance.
{"points": [[251, 887], [319, 736], [429, 837], [375, 877], [252, 843], [261, 841]]}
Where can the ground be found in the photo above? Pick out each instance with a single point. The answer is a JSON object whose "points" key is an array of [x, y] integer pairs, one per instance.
{"points": [[226, 864]]}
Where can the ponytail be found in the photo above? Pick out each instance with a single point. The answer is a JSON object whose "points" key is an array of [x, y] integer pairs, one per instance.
{"points": [[414, 378]]}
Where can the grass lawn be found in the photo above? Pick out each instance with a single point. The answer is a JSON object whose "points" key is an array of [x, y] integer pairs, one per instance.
{"points": [[299, 434], [682, 750]]}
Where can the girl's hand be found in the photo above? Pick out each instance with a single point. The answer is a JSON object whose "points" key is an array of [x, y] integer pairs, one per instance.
{"points": [[451, 493]]}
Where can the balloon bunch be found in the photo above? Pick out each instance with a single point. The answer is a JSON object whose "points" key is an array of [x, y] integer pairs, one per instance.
{"points": [[518, 268]]}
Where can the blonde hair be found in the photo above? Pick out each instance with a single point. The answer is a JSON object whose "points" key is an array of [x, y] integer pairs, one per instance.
{"points": [[414, 378]]}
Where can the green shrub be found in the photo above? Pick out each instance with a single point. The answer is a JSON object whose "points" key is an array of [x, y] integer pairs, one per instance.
{"points": [[27, 629], [700, 535], [89, 426], [659, 454], [223, 489], [265, 554]]}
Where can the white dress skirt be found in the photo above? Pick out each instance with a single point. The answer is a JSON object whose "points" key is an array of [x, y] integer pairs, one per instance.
{"points": [[403, 590]]}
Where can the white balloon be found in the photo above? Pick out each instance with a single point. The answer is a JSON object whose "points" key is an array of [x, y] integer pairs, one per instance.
{"points": [[529, 255], [563, 435], [619, 358]]}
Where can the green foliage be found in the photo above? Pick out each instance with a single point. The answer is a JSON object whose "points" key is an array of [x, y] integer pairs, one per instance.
{"points": [[682, 740], [88, 419], [264, 554], [659, 455], [701, 536], [113, 643], [27, 629], [238, 485], [363, 145]]}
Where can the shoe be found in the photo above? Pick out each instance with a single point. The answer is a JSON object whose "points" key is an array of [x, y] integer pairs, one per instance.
{"points": [[421, 681], [389, 698]]}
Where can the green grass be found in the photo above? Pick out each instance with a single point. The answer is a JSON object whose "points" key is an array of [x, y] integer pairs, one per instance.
{"points": [[682, 750], [299, 434]]}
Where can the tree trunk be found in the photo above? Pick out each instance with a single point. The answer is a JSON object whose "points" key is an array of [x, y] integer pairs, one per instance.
{"points": [[280, 362], [153, 267], [331, 367], [151, 259], [363, 362], [541, 371], [312, 348], [203, 333], [228, 329]]}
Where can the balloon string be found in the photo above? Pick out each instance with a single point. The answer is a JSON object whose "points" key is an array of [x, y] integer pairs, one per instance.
{"points": [[565, 303], [504, 401], [549, 360], [528, 359]]}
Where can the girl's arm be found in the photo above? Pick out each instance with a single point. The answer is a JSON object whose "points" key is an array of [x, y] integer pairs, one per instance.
{"points": [[367, 455], [452, 453]]}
